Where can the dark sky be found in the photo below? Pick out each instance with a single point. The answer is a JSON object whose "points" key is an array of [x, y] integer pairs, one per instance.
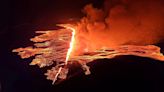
{"points": [[21, 18]]}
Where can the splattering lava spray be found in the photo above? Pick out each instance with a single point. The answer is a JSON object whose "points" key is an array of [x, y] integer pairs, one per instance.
{"points": [[120, 28]]}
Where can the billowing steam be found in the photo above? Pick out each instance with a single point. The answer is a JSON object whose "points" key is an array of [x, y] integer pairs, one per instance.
{"points": [[121, 22]]}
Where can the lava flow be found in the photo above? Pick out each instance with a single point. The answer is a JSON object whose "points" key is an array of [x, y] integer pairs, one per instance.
{"points": [[52, 47], [68, 52], [123, 29], [55, 48], [71, 44]]}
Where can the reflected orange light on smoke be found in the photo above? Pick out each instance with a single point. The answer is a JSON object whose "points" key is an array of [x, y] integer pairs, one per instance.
{"points": [[126, 28]]}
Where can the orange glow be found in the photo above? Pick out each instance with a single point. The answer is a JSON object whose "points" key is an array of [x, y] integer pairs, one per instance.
{"points": [[71, 44], [103, 33], [56, 76]]}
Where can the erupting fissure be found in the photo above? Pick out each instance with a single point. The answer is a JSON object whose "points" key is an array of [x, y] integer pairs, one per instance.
{"points": [[71, 44], [57, 47], [120, 29], [68, 52]]}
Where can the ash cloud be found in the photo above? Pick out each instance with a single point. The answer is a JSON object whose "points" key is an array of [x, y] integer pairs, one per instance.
{"points": [[121, 22]]}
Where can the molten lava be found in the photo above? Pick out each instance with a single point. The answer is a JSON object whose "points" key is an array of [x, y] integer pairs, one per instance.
{"points": [[56, 47], [103, 33], [68, 52], [71, 44]]}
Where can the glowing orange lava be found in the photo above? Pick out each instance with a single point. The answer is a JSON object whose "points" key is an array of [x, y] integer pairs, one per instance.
{"points": [[71, 44]]}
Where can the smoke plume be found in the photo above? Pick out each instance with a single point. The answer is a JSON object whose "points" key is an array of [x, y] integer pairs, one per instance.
{"points": [[121, 22]]}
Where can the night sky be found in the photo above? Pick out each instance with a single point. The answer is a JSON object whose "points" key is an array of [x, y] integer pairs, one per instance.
{"points": [[19, 21]]}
